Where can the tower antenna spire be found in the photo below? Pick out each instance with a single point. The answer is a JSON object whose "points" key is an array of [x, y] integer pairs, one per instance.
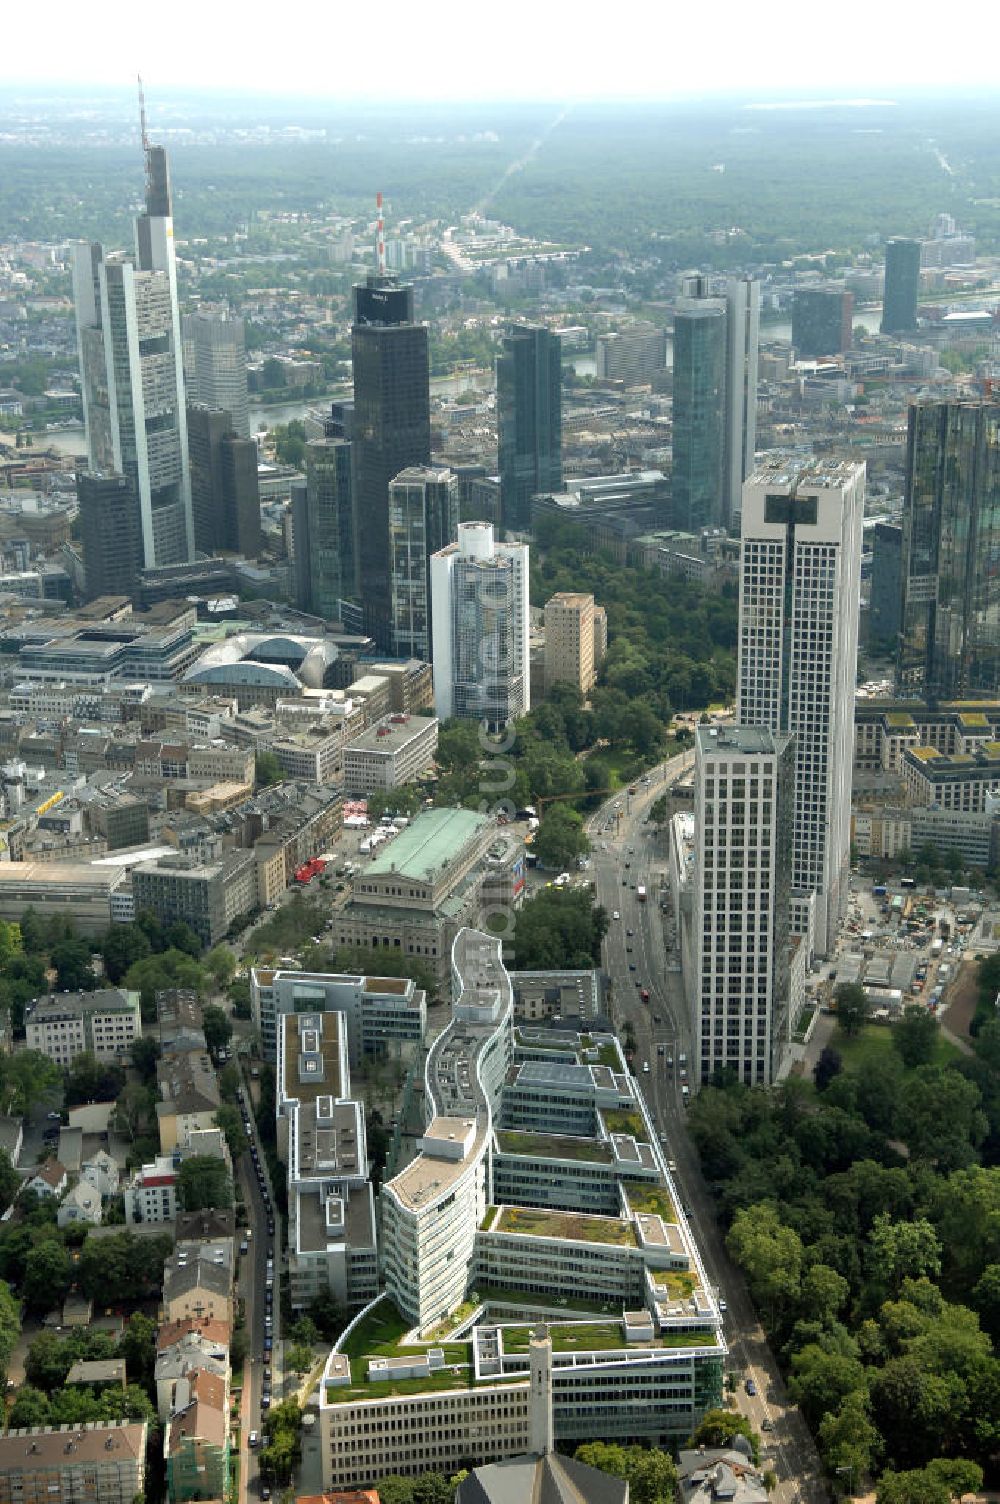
{"points": [[380, 237], [142, 116]]}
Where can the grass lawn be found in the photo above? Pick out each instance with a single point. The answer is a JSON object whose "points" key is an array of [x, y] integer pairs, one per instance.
{"points": [[536, 1222], [624, 1120], [495, 1296], [679, 1284], [652, 1198], [598, 1336], [553, 1146], [489, 1219], [608, 1055], [380, 1336], [875, 1043]]}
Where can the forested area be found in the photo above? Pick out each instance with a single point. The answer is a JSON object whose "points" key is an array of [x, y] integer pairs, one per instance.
{"points": [[864, 1211]]}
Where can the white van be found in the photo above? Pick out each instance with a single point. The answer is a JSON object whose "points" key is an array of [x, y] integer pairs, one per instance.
{"points": [[616, 915]]}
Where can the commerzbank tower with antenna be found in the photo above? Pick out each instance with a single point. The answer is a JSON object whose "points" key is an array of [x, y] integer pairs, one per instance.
{"points": [[135, 502]]}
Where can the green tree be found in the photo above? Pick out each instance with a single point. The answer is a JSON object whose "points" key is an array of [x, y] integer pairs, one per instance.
{"points": [[852, 1007], [160, 973], [959, 1476], [267, 770], [986, 1299], [230, 1120], [717, 1428], [203, 1182], [221, 965], [90, 1080], [10, 1181], [848, 1442], [283, 1452], [48, 1361], [561, 838], [299, 1357], [30, 1408], [138, 1348], [559, 929], [74, 966], [903, 1250], [10, 1326], [145, 1052], [914, 1487], [770, 1255], [27, 1076], [46, 1277], [217, 1026], [821, 1380], [915, 1036], [122, 946]]}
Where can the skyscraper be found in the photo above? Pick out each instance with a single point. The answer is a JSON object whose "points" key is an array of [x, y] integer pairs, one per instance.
{"points": [[391, 428], [902, 285], [330, 518], [699, 422], [215, 364], [225, 499], [742, 900], [126, 309], [800, 567], [699, 414], [950, 640], [886, 598], [480, 623], [821, 321], [529, 420], [109, 528], [423, 518]]}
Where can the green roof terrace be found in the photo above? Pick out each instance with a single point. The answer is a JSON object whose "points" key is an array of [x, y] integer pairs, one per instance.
{"points": [[554, 1146], [600, 1336], [576, 1227]]}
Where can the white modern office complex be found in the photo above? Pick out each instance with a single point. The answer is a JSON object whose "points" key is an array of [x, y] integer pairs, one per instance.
{"points": [[132, 376], [215, 364], [739, 941], [538, 1193], [800, 565], [480, 619], [381, 1014], [423, 518]]}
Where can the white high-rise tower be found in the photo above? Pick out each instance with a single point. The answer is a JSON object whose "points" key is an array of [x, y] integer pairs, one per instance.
{"points": [[480, 622], [800, 568], [129, 333]]}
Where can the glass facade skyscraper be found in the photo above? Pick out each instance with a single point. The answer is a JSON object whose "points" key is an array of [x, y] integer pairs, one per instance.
{"points": [[950, 640], [699, 478], [423, 518], [391, 429], [329, 524], [529, 420], [902, 285]]}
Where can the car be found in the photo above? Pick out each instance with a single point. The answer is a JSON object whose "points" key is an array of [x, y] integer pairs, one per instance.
{"points": [[267, 1376], [767, 1424], [631, 966], [722, 1306], [684, 1075], [265, 1492], [628, 950], [268, 1344], [659, 1049], [253, 1440], [671, 1163], [670, 1059], [616, 915], [657, 1019], [628, 863], [630, 933], [54, 1117], [750, 1387], [645, 1067]]}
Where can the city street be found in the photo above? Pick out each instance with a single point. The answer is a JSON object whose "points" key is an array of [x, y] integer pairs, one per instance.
{"points": [[787, 1446], [252, 1287]]}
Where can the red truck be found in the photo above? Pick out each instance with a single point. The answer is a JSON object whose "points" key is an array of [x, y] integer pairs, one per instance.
{"points": [[309, 870], [644, 994]]}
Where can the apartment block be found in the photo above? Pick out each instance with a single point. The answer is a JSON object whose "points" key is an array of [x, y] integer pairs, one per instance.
{"points": [[382, 1015], [105, 1464], [151, 1194], [575, 640], [398, 750], [69, 1023], [207, 897]]}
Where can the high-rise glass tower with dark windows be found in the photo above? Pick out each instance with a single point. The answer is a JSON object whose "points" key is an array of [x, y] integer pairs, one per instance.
{"points": [[329, 514], [821, 321], [129, 332], [423, 518], [529, 420], [902, 285], [699, 479], [391, 429], [950, 638], [109, 532]]}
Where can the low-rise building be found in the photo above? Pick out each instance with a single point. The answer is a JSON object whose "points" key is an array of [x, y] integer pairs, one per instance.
{"points": [[50, 1179], [104, 1464], [207, 896], [197, 1285], [81, 1204], [73, 890], [398, 750], [70, 1023], [183, 1347], [196, 1442], [151, 1194], [383, 1015]]}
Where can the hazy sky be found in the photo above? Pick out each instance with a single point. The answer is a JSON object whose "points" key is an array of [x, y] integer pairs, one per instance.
{"points": [[477, 49]]}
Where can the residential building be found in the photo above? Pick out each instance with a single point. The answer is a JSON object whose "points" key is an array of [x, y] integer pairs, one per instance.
{"points": [[739, 985], [800, 565], [98, 1372], [329, 526], [81, 1204], [103, 1463], [189, 1090], [949, 647], [101, 1171], [391, 429], [184, 1347], [700, 347], [721, 1475], [225, 498], [634, 357], [70, 1023], [110, 534], [215, 363], [206, 896], [396, 751], [196, 1441], [529, 420], [886, 600], [49, 1180], [132, 376], [197, 1285], [423, 518], [383, 1015], [481, 621], [822, 321], [576, 634], [151, 1194], [902, 285], [540, 995]]}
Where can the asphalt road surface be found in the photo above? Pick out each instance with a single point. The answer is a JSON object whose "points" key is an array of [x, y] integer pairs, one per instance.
{"points": [[620, 826], [252, 1285]]}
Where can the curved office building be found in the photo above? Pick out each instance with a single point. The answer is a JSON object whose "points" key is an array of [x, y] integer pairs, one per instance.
{"points": [[431, 1210]]}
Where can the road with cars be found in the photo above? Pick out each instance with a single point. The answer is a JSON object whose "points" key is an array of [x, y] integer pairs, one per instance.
{"points": [[640, 953], [258, 1287]]}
